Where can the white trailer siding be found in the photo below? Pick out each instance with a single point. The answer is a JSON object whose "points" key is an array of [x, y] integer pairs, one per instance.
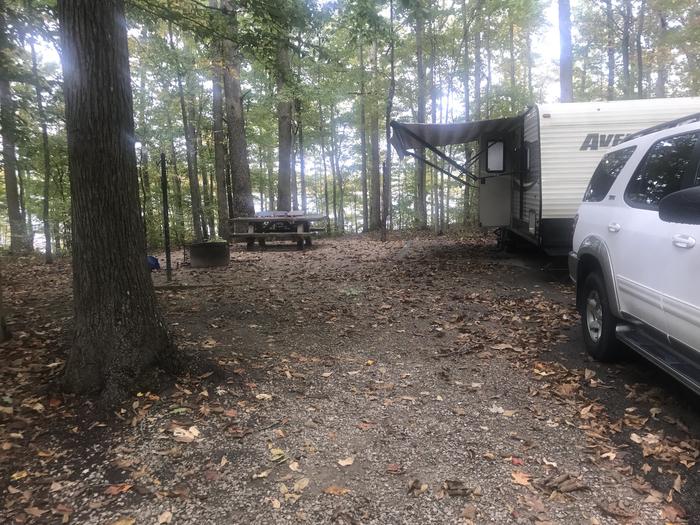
{"points": [[564, 129]]}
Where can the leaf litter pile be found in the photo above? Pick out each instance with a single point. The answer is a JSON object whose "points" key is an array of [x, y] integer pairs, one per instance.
{"points": [[413, 381]]}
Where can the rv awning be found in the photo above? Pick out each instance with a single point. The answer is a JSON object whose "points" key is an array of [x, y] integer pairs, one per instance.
{"points": [[414, 136]]}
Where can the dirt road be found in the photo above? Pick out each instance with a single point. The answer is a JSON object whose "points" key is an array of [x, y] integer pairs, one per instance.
{"points": [[416, 381]]}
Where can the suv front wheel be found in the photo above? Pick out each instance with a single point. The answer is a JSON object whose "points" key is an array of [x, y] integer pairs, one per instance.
{"points": [[597, 320]]}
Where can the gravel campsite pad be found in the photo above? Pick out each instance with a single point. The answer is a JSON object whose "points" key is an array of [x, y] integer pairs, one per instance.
{"points": [[414, 381]]}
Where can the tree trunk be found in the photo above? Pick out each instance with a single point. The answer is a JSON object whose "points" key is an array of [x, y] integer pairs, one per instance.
{"points": [[237, 143], [302, 167], [420, 197], [18, 238], [190, 150], [386, 186], [489, 73], [333, 177], [284, 127], [530, 90], [363, 144], [219, 138], [626, 28], [611, 49], [4, 331], [662, 75], [639, 50], [433, 119], [207, 211], [467, 67], [566, 63], [511, 52], [477, 62], [48, 253], [323, 159], [375, 177], [119, 331], [177, 186], [335, 148], [294, 186], [270, 179]]}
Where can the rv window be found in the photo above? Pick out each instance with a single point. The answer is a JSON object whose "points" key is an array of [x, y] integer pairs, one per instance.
{"points": [[495, 156], [605, 174]]}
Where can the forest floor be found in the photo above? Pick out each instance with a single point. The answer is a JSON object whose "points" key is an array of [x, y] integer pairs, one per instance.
{"points": [[421, 380]]}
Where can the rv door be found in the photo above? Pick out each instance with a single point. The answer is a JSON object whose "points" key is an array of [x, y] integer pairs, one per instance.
{"points": [[494, 201]]}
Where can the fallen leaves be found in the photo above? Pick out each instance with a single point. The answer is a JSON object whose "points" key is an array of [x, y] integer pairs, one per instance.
{"points": [[185, 435], [563, 483], [394, 468], [335, 490], [416, 487], [165, 517], [346, 462], [124, 521], [120, 488], [520, 478]]}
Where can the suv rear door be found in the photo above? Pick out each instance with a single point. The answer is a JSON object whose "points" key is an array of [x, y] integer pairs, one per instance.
{"points": [[658, 266]]}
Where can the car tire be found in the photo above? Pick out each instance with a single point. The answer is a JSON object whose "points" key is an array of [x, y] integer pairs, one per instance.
{"points": [[597, 321]]}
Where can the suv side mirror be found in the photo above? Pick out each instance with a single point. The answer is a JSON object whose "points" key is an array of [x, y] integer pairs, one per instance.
{"points": [[681, 206]]}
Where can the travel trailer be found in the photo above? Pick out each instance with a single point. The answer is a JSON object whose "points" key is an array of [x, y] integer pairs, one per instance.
{"points": [[533, 169]]}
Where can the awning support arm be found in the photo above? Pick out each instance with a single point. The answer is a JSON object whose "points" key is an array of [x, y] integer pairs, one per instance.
{"points": [[440, 154], [432, 165]]}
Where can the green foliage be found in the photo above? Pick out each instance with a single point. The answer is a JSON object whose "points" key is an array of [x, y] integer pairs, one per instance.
{"points": [[325, 39]]}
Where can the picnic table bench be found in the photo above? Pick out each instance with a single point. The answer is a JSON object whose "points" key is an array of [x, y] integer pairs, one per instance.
{"points": [[276, 226]]}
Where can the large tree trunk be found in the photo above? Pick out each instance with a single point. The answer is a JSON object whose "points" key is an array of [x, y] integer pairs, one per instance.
{"points": [[375, 177], [48, 253], [18, 237], [284, 127], [219, 137], [237, 143], [363, 144], [420, 197], [119, 330], [566, 62]]}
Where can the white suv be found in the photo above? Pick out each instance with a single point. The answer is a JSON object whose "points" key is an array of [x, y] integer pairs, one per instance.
{"points": [[634, 257]]}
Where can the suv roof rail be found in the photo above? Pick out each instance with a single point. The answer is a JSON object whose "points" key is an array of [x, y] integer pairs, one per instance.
{"points": [[695, 117]]}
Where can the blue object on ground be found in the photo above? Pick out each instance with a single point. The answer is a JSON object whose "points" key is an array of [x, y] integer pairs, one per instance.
{"points": [[153, 263]]}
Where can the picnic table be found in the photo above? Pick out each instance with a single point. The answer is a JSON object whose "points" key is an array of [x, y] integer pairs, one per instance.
{"points": [[276, 226]]}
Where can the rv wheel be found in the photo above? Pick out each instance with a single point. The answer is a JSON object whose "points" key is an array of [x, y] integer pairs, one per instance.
{"points": [[597, 321]]}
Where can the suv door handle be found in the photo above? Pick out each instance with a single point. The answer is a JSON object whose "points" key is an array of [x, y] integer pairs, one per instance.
{"points": [[683, 241], [614, 227]]}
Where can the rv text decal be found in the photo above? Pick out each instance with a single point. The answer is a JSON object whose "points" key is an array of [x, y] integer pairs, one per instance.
{"points": [[594, 141]]}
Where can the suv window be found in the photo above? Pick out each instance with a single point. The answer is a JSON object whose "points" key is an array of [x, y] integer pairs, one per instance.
{"points": [[662, 172], [605, 174]]}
